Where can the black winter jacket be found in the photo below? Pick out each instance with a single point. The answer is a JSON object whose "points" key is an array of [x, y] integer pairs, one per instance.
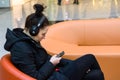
{"points": [[30, 57]]}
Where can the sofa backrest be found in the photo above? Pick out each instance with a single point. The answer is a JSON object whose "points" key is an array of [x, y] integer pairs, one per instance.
{"points": [[87, 32]]}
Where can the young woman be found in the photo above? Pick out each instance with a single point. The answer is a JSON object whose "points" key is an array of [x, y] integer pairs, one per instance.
{"points": [[31, 58]]}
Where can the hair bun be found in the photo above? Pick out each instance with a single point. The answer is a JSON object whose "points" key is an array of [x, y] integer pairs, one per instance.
{"points": [[38, 9]]}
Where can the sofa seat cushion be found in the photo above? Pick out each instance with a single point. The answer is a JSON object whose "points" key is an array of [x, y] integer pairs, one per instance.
{"points": [[55, 46]]}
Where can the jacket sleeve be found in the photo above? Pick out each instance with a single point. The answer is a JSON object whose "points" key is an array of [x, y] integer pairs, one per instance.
{"points": [[23, 58], [64, 62]]}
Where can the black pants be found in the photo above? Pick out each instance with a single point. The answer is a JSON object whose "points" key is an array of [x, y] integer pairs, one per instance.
{"points": [[59, 1], [84, 68], [76, 1]]}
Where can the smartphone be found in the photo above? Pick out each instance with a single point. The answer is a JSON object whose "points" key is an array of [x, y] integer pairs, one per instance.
{"points": [[60, 54]]}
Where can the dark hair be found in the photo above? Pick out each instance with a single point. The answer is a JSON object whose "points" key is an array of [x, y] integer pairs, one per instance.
{"points": [[34, 18]]}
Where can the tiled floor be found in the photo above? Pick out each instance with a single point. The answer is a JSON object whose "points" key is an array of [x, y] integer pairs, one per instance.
{"points": [[87, 9]]}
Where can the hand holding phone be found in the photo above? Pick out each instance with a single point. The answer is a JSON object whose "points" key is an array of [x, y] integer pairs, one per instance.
{"points": [[60, 54]]}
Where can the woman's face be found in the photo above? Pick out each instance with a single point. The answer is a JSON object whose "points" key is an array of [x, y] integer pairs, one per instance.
{"points": [[41, 34]]}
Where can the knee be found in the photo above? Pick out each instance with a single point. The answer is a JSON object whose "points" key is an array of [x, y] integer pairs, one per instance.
{"points": [[90, 55]]}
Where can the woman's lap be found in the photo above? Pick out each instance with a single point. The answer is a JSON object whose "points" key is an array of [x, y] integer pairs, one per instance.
{"points": [[77, 69]]}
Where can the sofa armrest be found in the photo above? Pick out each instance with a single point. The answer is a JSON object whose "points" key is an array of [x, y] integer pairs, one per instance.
{"points": [[10, 72]]}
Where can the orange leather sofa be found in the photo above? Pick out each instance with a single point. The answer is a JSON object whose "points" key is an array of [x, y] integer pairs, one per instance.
{"points": [[100, 37], [9, 72]]}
